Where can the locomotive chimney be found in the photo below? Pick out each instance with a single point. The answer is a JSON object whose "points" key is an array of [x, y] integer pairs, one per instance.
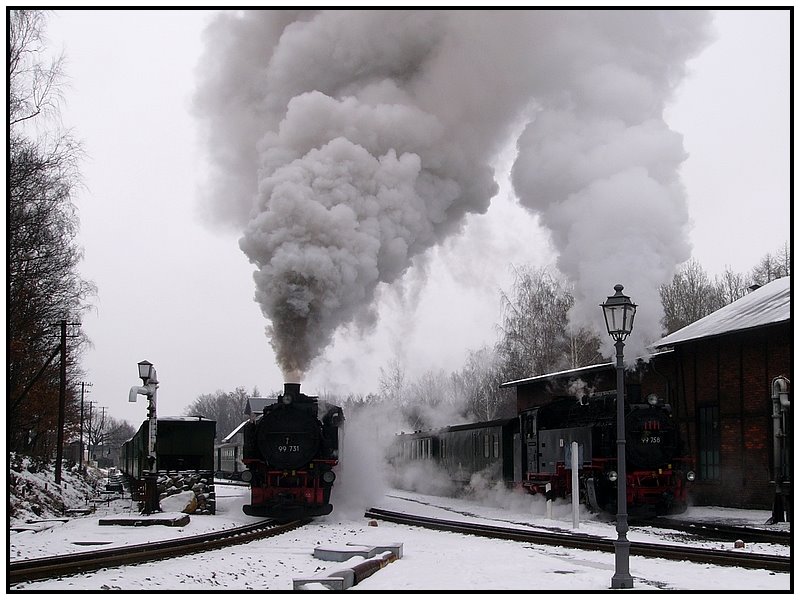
{"points": [[291, 389]]}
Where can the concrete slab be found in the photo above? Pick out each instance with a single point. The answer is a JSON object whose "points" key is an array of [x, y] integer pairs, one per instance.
{"points": [[329, 583], [343, 553], [395, 548], [64, 520], [92, 543], [144, 520], [351, 549], [361, 561]]}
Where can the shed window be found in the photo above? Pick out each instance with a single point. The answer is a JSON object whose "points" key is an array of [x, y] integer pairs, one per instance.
{"points": [[708, 441], [496, 446], [486, 445]]}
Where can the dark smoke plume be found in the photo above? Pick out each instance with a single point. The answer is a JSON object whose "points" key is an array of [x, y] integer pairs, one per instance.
{"points": [[346, 143]]}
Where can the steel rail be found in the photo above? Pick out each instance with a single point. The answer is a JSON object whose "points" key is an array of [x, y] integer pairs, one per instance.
{"points": [[591, 542], [80, 562], [719, 531]]}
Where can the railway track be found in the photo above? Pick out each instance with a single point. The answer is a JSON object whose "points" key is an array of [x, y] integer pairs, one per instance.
{"points": [[591, 542], [80, 562], [719, 531]]}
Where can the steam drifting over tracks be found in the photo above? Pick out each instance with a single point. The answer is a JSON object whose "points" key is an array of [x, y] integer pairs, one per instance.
{"points": [[81, 562], [591, 542]]}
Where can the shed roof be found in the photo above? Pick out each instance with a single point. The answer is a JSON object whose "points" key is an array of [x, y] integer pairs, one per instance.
{"points": [[582, 370], [572, 372], [767, 305], [256, 405], [231, 435]]}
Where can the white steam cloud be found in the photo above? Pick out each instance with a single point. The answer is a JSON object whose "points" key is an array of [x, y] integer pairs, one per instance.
{"points": [[346, 143]]}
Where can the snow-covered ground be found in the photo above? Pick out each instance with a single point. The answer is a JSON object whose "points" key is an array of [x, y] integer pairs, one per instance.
{"points": [[431, 560]]}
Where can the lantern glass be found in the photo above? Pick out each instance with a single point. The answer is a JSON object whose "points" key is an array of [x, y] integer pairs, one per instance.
{"points": [[145, 370], [619, 312]]}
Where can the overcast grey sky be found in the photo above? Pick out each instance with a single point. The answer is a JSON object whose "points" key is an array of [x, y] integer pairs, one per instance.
{"points": [[177, 291]]}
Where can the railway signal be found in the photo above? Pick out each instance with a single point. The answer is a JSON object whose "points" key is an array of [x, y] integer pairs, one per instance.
{"points": [[147, 373]]}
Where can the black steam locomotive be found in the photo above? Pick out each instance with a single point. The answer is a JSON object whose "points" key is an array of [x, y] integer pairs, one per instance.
{"points": [[656, 472], [533, 452], [290, 454]]}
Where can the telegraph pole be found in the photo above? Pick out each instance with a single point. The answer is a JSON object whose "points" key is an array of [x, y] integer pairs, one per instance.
{"points": [[84, 385], [103, 428], [62, 398], [89, 434]]}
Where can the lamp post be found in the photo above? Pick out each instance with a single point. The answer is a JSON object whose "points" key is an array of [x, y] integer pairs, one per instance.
{"points": [[147, 374], [619, 311]]}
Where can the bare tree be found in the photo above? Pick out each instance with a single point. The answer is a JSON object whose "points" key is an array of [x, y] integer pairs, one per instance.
{"points": [[772, 266], [95, 426], [226, 408], [43, 281], [479, 382], [117, 432], [392, 382], [730, 286], [535, 337], [690, 296], [34, 87]]}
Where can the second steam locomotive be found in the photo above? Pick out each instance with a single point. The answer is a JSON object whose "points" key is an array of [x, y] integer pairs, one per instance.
{"points": [[290, 453], [532, 451]]}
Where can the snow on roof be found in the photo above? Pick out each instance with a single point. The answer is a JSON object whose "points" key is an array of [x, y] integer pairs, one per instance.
{"points": [[229, 437], [767, 305], [578, 371], [255, 405], [558, 374]]}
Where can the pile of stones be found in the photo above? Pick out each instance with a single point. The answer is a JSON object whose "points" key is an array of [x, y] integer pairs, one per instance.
{"points": [[202, 484]]}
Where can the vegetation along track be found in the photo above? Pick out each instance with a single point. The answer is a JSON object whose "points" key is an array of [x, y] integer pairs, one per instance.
{"points": [[79, 562], [591, 542]]}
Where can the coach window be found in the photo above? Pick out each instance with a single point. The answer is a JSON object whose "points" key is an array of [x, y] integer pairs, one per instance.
{"points": [[708, 442]]}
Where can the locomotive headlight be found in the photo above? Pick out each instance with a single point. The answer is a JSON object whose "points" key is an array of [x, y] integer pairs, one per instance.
{"points": [[690, 476], [612, 476], [652, 399], [328, 476], [247, 476]]}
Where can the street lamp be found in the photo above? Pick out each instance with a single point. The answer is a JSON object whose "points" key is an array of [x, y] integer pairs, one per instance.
{"points": [[145, 371], [619, 311], [147, 374]]}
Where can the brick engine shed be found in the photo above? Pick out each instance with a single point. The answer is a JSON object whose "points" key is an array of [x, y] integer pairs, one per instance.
{"points": [[718, 375]]}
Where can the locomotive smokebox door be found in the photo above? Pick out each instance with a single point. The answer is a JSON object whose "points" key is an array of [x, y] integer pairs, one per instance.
{"points": [[290, 438]]}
